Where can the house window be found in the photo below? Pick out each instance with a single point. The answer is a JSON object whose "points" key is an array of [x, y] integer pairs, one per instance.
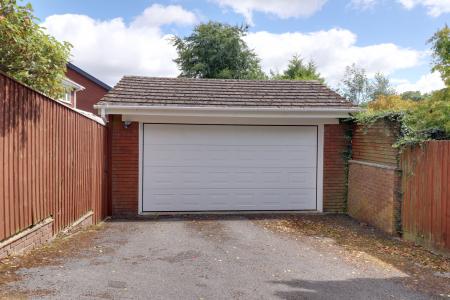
{"points": [[70, 89], [67, 98]]}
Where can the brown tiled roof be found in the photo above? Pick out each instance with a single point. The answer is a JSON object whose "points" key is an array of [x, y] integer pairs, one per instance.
{"points": [[153, 91]]}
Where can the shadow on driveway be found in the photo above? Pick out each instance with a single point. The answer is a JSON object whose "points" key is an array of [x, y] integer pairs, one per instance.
{"points": [[358, 288]]}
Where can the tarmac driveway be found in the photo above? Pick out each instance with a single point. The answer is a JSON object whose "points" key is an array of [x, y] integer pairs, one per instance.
{"points": [[221, 258]]}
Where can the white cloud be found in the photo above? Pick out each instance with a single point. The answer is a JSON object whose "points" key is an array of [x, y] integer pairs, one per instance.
{"points": [[332, 51], [434, 7], [157, 15], [281, 8], [363, 4], [110, 49], [426, 83]]}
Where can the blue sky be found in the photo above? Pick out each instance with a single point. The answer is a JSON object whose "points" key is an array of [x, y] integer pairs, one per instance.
{"points": [[114, 38]]}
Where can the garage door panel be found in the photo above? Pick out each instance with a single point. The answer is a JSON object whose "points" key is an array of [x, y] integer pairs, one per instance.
{"points": [[220, 167], [225, 199], [172, 134], [184, 177], [255, 156]]}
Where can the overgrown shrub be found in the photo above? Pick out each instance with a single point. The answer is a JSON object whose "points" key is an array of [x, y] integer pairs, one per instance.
{"points": [[420, 120]]}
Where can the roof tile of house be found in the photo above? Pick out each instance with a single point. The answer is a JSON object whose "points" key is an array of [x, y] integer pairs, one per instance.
{"points": [[154, 91]]}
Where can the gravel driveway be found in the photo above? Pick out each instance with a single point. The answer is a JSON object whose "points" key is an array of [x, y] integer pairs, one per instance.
{"points": [[223, 258]]}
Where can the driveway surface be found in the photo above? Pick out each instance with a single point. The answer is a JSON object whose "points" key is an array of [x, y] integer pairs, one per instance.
{"points": [[222, 258]]}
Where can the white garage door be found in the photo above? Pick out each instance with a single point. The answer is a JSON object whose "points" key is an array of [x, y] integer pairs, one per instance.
{"points": [[227, 167]]}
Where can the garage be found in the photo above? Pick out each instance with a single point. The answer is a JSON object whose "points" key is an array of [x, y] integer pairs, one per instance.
{"points": [[228, 168], [183, 145]]}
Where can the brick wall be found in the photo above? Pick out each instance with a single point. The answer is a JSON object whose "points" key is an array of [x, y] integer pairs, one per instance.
{"points": [[28, 239], [373, 192], [124, 167], [40, 234], [82, 223], [374, 176], [334, 167]]}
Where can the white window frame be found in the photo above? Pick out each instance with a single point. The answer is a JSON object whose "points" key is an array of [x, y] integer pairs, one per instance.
{"points": [[67, 97], [71, 88]]}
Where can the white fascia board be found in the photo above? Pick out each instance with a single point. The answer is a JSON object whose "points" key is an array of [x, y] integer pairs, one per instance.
{"points": [[245, 112], [67, 83], [219, 120]]}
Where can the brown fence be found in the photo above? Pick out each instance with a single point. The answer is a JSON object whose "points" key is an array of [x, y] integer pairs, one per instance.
{"points": [[426, 195], [53, 161]]}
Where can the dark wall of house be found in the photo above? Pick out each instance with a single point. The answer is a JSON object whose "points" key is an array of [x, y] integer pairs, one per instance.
{"points": [[90, 95]]}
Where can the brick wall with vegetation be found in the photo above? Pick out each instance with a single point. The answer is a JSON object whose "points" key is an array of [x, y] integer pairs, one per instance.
{"points": [[374, 142], [336, 142], [374, 189], [124, 167]]}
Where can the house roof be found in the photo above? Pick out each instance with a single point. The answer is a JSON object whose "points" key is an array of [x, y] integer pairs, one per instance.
{"points": [[88, 76], [179, 92]]}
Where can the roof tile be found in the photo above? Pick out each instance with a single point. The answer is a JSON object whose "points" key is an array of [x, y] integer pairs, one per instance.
{"points": [[156, 91]]}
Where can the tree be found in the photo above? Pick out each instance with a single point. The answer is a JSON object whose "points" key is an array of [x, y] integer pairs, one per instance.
{"points": [[216, 50], [390, 103], [440, 44], [355, 85], [299, 70], [380, 86], [414, 96], [358, 88], [27, 53], [432, 116]]}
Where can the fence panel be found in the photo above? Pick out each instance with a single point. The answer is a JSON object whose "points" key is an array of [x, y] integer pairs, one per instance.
{"points": [[52, 158], [426, 198]]}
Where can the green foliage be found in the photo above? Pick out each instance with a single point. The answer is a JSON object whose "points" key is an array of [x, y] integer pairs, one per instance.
{"points": [[27, 53], [299, 70], [390, 103], [440, 44], [422, 116], [420, 120], [432, 116], [216, 50], [414, 96]]}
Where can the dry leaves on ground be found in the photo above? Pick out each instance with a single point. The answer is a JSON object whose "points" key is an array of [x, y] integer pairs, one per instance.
{"points": [[426, 270]]}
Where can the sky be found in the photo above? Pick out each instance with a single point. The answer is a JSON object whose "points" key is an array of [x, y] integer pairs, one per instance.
{"points": [[115, 38]]}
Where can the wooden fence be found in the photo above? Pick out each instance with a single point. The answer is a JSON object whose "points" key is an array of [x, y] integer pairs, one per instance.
{"points": [[426, 194], [52, 158]]}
